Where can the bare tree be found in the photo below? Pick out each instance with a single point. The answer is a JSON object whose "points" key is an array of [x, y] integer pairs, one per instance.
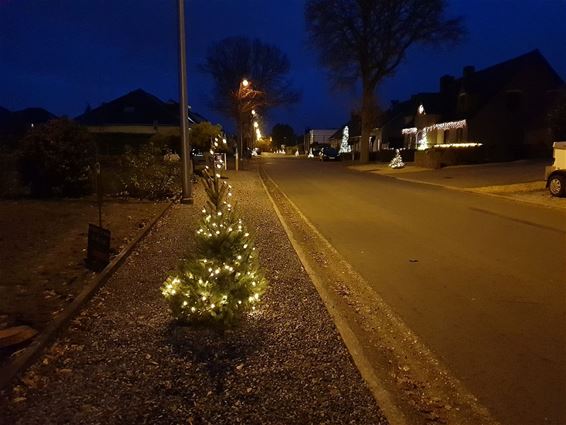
{"points": [[234, 59], [367, 40]]}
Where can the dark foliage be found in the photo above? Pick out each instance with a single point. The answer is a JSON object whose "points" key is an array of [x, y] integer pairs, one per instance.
{"points": [[232, 59], [283, 134], [367, 40], [57, 158], [148, 175]]}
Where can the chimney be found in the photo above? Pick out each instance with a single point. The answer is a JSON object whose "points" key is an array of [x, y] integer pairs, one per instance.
{"points": [[468, 71], [446, 83]]}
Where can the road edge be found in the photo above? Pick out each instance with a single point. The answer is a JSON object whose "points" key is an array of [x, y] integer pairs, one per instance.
{"points": [[380, 394], [383, 396]]}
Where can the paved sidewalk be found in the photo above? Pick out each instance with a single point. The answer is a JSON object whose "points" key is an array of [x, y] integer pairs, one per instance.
{"points": [[518, 180], [123, 360], [466, 176]]}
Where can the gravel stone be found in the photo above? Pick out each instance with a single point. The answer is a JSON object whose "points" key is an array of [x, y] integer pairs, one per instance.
{"points": [[124, 360]]}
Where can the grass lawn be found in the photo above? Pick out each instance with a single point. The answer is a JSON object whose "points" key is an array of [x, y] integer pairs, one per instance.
{"points": [[42, 251]]}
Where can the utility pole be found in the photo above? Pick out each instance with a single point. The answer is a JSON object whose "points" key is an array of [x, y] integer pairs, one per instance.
{"points": [[183, 110]]}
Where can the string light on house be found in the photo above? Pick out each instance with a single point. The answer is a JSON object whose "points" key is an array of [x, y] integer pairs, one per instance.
{"points": [[412, 130], [458, 145], [451, 125]]}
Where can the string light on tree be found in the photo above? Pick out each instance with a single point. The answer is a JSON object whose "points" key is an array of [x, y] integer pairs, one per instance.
{"points": [[345, 146], [222, 280], [397, 161]]}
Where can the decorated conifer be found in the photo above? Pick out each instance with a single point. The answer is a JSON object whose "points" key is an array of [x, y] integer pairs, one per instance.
{"points": [[397, 161], [222, 280]]}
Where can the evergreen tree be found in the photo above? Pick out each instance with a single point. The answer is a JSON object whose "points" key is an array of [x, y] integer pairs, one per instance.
{"points": [[397, 161], [222, 281]]}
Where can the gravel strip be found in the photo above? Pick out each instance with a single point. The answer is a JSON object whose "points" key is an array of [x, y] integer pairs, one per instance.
{"points": [[123, 360]]}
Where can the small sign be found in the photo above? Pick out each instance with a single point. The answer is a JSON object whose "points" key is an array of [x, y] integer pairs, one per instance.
{"points": [[98, 251]]}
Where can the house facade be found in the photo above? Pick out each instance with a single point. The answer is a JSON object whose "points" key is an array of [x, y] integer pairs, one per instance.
{"points": [[319, 137], [503, 108]]}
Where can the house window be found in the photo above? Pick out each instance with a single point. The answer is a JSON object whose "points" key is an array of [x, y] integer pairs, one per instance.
{"points": [[514, 100], [446, 136], [459, 135]]}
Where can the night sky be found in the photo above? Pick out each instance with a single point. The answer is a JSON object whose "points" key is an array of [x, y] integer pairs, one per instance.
{"points": [[64, 54]]}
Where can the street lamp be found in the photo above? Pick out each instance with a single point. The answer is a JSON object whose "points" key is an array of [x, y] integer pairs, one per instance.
{"points": [[243, 91], [183, 110]]}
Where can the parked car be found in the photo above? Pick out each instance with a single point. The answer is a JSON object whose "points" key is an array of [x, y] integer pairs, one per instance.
{"points": [[555, 174], [329, 153]]}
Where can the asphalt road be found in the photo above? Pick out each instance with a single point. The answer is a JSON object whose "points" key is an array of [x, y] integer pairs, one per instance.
{"points": [[481, 280]]}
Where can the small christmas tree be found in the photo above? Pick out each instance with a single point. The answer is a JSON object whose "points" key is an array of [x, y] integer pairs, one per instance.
{"points": [[222, 281], [397, 161]]}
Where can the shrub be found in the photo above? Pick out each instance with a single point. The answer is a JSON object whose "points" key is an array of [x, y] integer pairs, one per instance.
{"points": [[148, 175], [56, 159]]}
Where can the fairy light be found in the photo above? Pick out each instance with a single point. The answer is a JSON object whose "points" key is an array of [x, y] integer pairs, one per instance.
{"points": [[214, 289]]}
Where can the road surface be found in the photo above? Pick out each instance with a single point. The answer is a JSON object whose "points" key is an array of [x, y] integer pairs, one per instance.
{"points": [[481, 280]]}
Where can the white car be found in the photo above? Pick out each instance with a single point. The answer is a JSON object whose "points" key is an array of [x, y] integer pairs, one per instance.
{"points": [[555, 174]]}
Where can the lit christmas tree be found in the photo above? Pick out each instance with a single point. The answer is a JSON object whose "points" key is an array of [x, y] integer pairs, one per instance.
{"points": [[222, 281], [345, 147], [397, 161]]}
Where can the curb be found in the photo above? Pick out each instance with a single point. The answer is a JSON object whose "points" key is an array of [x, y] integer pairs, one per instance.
{"points": [[478, 192], [33, 351], [381, 396], [384, 397]]}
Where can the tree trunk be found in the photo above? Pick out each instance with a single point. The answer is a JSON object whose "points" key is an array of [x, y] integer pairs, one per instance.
{"points": [[367, 118]]}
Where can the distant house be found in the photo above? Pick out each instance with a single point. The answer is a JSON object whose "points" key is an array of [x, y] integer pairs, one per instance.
{"points": [[503, 107], [319, 137], [353, 130], [14, 124], [137, 112]]}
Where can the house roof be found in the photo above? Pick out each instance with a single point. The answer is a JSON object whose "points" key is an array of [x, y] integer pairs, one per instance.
{"points": [[434, 103], [494, 77], [486, 83], [483, 84], [15, 121], [136, 108]]}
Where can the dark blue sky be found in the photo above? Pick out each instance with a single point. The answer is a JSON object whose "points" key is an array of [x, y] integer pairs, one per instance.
{"points": [[64, 54]]}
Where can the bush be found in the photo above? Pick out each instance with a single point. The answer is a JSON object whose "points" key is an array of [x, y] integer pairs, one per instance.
{"points": [[10, 179], [442, 157], [167, 142], [57, 158], [148, 175]]}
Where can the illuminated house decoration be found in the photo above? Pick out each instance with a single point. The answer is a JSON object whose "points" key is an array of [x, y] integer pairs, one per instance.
{"points": [[345, 147], [426, 134], [502, 107], [350, 143]]}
